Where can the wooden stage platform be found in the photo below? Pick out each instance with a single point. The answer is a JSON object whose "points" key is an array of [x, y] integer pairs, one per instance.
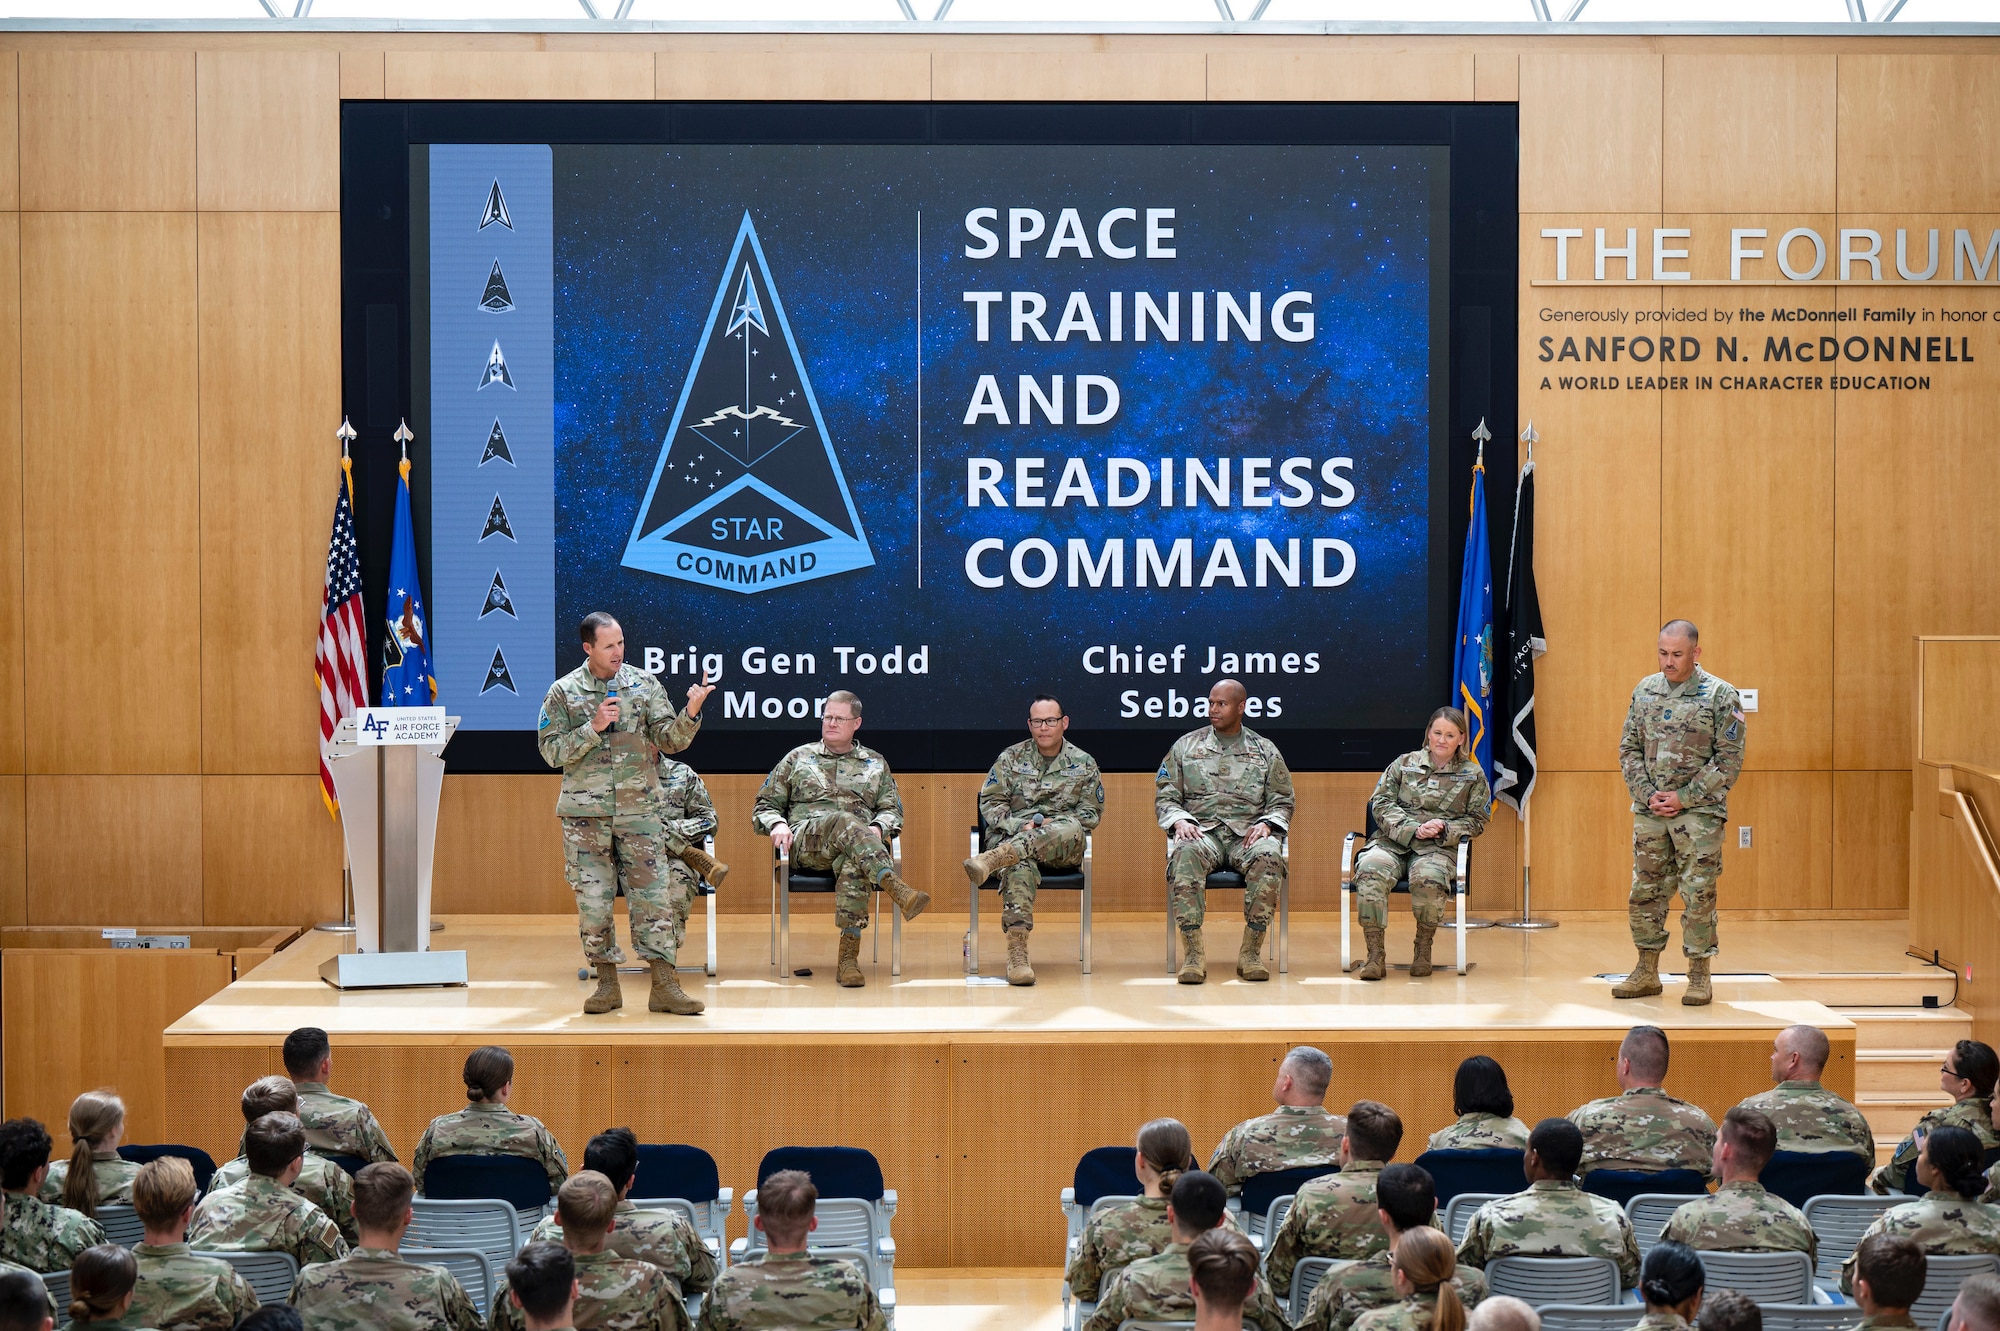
{"points": [[979, 1098]]}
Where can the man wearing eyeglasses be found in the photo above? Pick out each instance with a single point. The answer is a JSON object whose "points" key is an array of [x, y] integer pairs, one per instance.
{"points": [[1041, 797]]}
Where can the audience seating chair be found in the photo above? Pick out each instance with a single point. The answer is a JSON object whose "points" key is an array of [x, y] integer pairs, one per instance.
{"points": [[785, 880], [1306, 1278], [1944, 1320], [520, 1182], [271, 1274], [673, 1172], [1622, 1185], [1649, 1212], [1544, 1280], [1459, 1211], [1798, 1176], [1350, 859], [1497, 1171], [203, 1162], [1591, 1317], [1053, 880], [1809, 1316], [1228, 880], [854, 1210], [1942, 1277], [885, 1294], [473, 1268], [490, 1225], [1105, 1176], [57, 1284], [353, 1164], [1762, 1277], [122, 1225], [1268, 1197], [1840, 1222]]}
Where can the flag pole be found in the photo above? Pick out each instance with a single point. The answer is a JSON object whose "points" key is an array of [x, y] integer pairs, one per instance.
{"points": [[345, 924], [1528, 919], [1480, 435]]}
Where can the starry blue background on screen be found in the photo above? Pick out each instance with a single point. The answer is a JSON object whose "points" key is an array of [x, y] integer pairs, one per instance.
{"points": [[643, 239]]}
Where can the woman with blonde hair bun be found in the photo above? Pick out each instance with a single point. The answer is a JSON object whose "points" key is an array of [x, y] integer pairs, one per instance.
{"points": [[1422, 1266], [94, 1175]]}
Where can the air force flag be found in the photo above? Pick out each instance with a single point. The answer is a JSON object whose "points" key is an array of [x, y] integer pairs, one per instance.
{"points": [[1472, 686]]}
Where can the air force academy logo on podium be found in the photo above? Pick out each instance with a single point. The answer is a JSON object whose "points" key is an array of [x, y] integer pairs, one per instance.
{"points": [[747, 494]]}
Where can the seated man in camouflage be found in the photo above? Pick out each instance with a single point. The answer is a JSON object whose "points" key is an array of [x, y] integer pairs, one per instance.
{"points": [[320, 1181], [1809, 1118], [1889, 1273], [541, 1287], [1968, 1075], [1155, 1289], [1553, 1217], [1977, 1307], [834, 804], [335, 1125], [373, 1286], [1643, 1128], [25, 1303], [264, 1213], [1406, 1198], [1297, 1134], [176, 1288], [663, 1238], [787, 1285], [1741, 1216], [612, 1292], [1337, 1215], [1726, 1310], [37, 1235], [1222, 1266]]}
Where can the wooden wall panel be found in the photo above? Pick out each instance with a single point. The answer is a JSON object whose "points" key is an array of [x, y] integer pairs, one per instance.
{"points": [[1959, 680], [1497, 76], [518, 75], [361, 76], [13, 850], [270, 394], [1789, 865], [863, 71], [270, 853], [1590, 132], [1954, 911], [108, 313], [123, 850], [13, 501], [1749, 133], [499, 848], [10, 131], [107, 130], [1871, 840], [1919, 131], [1311, 72], [268, 130], [1068, 72]]}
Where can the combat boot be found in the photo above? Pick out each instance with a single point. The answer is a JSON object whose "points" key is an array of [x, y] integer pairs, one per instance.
{"points": [[848, 973], [667, 993], [1420, 960], [1194, 958], [1700, 993], [1018, 969], [705, 865], [910, 901], [1644, 981], [608, 994], [1250, 955], [1377, 964], [983, 866]]}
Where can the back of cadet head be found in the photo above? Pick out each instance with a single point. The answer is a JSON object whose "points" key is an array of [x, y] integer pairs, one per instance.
{"points": [[1504, 1312], [1374, 1131], [585, 1204], [382, 1194], [540, 1279], [614, 1153], [1223, 1265], [1727, 1310], [1977, 1307], [272, 1142], [785, 1203], [1198, 1201], [487, 1070], [305, 1049], [24, 1302], [163, 1190], [1559, 1143]]}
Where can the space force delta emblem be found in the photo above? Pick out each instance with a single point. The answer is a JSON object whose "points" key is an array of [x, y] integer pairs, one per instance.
{"points": [[747, 494]]}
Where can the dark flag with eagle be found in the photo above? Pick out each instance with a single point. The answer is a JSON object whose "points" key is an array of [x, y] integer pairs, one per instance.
{"points": [[406, 649], [1514, 753]]}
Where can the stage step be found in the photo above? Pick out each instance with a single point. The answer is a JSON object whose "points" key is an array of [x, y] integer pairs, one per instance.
{"points": [[1908, 1028], [1903, 1073], [1838, 989]]}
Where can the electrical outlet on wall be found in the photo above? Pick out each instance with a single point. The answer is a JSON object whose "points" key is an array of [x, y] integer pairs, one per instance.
{"points": [[1749, 697], [1742, 838]]}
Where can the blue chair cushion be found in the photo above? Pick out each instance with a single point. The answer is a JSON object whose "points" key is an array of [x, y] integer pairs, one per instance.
{"points": [[514, 1179], [1452, 1172], [687, 1172], [353, 1164], [837, 1171], [1105, 1171], [1622, 1185], [203, 1162], [1260, 1190], [1798, 1175]]}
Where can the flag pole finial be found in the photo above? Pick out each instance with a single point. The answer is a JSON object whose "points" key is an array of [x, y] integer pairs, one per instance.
{"points": [[1482, 434], [403, 436], [346, 434], [1528, 437]]}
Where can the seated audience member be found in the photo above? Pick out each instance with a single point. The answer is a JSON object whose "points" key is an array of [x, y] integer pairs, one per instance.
{"points": [[95, 1174], [1222, 1266], [1741, 1216], [1503, 1312], [1671, 1285], [1977, 1307], [486, 1126], [273, 1317], [664, 1238], [1642, 1127], [1407, 1199], [1336, 1215], [177, 1288], [320, 1181], [1553, 1217], [1424, 1266], [1889, 1273], [541, 1284], [1298, 1132], [1809, 1117], [335, 1125], [24, 1302], [786, 1285], [373, 1286], [611, 1291], [1485, 1108], [1155, 1289], [1949, 1218], [1727, 1310], [1119, 1235], [1968, 1075], [37, 1235], [100, 1286], [263, 1213]]}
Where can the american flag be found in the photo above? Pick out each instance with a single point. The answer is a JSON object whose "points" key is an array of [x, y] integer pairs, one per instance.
{"points": [[342, 644]]}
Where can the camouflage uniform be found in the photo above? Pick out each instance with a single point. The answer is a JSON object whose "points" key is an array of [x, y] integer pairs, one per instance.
{"points": [[43, 1237], [1343, 1296], [9, 1268], [688, 815], [1742, 1217], [1553, 1218], [1289, 1137], [1812, 1119], [1224, 785], [1645, 1129], [320, 1181], [1414, 1313], [1943, 1224], [792, 1290], [1973, 1114], [1156, 1289], [613, 834], [1118, 1236], [1067, 790], [336, 1125], [830, 800], [664, 1238], [1412, 791], [1886, 1322], [114, 1179], [180, 1291], [1334, 1216], [613, 1294], [1481, 1132], [374, 1289], [261, 1214], [490, 1129], [1686, 739], [1664, 1319]]}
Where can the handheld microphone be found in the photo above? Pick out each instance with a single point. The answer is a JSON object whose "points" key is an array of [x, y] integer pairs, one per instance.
{"points": [[611, 696]]}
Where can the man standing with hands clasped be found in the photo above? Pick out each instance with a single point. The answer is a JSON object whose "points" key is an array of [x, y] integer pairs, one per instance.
{"points": [[604, 723]]}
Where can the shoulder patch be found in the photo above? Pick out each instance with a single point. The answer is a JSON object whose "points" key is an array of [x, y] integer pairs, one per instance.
{"points": [[1163, 772]]}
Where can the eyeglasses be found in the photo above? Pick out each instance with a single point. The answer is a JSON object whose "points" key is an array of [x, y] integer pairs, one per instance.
{"points": [[839, 720], [1950, 1071], [1046, 721]]}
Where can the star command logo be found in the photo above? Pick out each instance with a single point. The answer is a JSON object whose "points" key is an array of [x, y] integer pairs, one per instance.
{"points": [[747, 493]]}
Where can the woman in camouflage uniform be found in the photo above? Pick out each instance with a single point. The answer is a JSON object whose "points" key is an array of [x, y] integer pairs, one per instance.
{"points": [[94, 1175], [1948, 1220], [486, 1126], [1423, 1267], [1116, 1236], [1671, 1284], [1484, 1104]]}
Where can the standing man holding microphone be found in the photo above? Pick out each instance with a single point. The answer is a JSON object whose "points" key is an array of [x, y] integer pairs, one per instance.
{"points": [[603, 724]]}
